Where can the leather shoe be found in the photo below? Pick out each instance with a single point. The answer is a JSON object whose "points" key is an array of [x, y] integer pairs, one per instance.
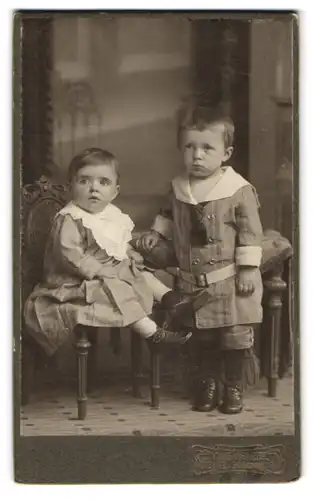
{"points": [[180, 304], [206, 397], [165, 336], [232, 400]]}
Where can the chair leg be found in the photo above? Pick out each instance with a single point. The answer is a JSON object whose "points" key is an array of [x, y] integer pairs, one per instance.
{"points": [[82, 347], [115, 340], [155, 376], [92, 359], [27, 372], [136, 364], [186, 369], [286, 348], [274, 287]]}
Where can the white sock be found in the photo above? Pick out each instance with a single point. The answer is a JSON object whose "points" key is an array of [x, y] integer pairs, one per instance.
{"points": [[157, 288], [145, 327]]}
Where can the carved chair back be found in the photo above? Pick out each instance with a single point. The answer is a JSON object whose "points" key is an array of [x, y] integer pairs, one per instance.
{"points": [[40, 203]]}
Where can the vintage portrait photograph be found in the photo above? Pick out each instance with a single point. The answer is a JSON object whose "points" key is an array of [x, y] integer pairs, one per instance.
{"points": [[157, 170]]}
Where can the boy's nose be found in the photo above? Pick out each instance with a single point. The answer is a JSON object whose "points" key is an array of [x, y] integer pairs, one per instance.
{"points": [[197, 153], [93, 186]]}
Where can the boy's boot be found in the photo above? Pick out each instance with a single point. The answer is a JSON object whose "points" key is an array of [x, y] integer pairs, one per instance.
{"points": [[206, 386], [233, 392]]}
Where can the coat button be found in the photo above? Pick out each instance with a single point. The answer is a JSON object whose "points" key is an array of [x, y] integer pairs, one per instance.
{"points": [[210, 240], [211, 261], [210, 216], [195, 262]]}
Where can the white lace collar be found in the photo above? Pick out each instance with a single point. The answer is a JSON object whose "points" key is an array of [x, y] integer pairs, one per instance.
{"points": [[111, 228], [227, 186]]}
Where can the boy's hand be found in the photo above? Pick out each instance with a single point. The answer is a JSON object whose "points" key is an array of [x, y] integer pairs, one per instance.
{"points": [[245, 280], [135, 256], [148, 240]]}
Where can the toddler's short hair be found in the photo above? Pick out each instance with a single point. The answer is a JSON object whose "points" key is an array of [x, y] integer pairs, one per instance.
{"points": [[93, 156], [198, 115]]}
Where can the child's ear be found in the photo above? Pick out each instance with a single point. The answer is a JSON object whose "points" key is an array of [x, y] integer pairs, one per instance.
{"points": [[116, 193], [228, 153]]}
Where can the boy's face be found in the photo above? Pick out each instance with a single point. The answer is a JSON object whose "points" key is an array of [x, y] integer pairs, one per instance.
{"points": [[204, 150], [94, 186]]}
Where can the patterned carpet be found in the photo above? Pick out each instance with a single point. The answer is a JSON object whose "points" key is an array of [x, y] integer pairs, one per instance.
{"points": [[113, 411]]}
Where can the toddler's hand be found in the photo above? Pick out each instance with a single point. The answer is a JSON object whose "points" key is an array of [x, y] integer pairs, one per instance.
{"points": [[245, 280], [148, 240]]}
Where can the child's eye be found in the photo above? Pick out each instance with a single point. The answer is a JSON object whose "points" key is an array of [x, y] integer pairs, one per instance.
{"points": [[189, 145], [104, 182], [82, 181], [207, 147]]}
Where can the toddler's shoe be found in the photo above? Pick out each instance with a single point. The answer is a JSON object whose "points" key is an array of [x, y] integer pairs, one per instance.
{"points": [[178, 304], [165, 336]]}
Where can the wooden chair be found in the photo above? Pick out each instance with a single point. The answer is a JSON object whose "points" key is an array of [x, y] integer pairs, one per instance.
{"points": [[40, 202], [274, 344], [275, 337]]}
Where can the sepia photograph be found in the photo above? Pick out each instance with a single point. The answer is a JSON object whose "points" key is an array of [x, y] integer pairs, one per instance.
{"points": [[156, 165]]}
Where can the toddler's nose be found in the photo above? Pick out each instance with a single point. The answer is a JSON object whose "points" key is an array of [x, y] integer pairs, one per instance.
{"points": [[93, 186]]}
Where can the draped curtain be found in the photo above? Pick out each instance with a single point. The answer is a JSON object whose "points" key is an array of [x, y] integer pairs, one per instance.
{"points": [[221, 66], [36, 64]]}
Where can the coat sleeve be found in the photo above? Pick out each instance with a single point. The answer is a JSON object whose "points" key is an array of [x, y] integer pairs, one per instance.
{"points": [[249, 228], [72, 251], [163, 222]]}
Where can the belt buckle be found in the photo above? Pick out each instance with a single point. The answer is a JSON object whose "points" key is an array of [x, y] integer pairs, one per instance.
{"points": [[201, 280]]}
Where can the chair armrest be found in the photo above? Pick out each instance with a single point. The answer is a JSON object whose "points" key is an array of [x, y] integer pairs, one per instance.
{"points": [[275, 250]]}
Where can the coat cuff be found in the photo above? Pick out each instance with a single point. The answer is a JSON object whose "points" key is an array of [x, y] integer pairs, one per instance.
{"points": [[248, 256], [163, 226]]}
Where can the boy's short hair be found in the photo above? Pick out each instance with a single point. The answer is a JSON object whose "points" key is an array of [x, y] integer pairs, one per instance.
{"points": [[93, 156], [198, 115]]}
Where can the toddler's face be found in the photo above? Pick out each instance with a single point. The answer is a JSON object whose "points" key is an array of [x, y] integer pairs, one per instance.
{"points": [[94, 186], [204, 150]]}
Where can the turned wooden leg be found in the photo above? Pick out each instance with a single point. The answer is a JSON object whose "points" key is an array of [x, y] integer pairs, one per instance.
{"points": [[275, 288], [115, 340], [198, 362], [155, 376], [185, 369], [82, 346], [136, 364], [92, 359], [27, 372], [286, 348]]}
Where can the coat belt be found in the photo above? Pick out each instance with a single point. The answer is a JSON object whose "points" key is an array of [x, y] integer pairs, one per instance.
{"points": [[203, 280]]}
